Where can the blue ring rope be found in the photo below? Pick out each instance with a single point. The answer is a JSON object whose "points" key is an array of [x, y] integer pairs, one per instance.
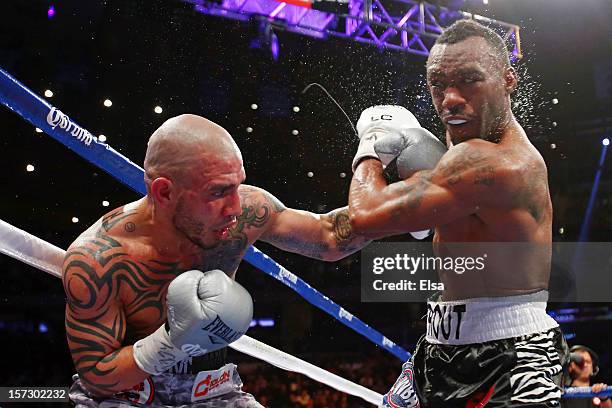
{"points": [[53, 122], [585, 392]]}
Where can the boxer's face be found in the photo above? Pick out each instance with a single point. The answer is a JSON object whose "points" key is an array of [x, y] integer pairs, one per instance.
{"points": [[208, 204], [469, 89]]}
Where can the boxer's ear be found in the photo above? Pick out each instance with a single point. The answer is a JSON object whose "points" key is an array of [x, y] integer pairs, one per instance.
{"points": [[161, 191]]}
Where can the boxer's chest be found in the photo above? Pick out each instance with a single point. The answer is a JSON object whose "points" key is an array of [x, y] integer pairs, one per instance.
{"points": [[143, 282]]}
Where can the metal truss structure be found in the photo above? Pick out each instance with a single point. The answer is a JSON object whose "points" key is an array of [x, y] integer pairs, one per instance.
{"points": [[404, 25]]}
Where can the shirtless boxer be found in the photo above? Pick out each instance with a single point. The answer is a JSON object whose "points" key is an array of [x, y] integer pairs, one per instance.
{"points": [[151, 296], [489, 339]]}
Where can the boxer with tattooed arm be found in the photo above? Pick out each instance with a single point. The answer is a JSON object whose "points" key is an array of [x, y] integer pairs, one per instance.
{"points": [[151, 297], [489, 340]]}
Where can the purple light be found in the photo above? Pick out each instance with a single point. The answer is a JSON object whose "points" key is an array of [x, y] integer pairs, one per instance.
{"points": [[274, 46], [269, 322], [51, 11], [42, 327]]}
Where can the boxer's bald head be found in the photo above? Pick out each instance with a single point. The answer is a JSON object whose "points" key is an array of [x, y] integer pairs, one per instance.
{"points": [[193, 170], [185, 143]]}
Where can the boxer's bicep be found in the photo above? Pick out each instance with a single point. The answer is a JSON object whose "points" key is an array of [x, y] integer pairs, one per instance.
{"points": [[465, 180], [95, 325], [460, 185], [410, 205]]}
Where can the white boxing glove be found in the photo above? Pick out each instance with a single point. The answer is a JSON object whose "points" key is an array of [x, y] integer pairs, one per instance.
{"points": [[206, 311], [377, 122]]}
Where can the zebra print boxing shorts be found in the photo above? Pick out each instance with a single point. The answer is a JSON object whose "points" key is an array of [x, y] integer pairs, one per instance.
{"points": [[498, 352], [517, 372]]}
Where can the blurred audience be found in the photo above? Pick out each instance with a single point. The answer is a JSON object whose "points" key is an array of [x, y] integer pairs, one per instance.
{"points": [[583, 367]]}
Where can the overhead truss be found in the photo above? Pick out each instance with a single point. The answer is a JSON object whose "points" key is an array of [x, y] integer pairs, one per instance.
{"points": [[403, 25]]}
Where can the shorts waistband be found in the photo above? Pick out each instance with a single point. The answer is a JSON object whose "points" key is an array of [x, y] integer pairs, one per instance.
{"points": [[480, 320]]}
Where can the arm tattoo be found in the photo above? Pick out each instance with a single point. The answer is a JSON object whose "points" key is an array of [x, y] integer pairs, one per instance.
{"points": [[346, 240], [485, 175], [257, 208], [413, 193], [454, 171], [329, 236], [295, 243], [341, 225]]}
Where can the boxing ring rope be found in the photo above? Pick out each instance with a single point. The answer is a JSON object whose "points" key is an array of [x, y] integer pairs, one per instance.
{"points": [[42, 255], [585, 392]]}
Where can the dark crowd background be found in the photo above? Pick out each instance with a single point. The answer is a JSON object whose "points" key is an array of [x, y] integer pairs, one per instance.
{"points": [[143, 54]]}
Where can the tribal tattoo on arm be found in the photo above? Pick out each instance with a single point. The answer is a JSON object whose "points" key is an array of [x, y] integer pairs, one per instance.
{"points": [[96, 275], [257, 210]]}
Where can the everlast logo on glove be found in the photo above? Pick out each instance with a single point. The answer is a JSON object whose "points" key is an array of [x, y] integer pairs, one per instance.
{"points": [[210, 384], [222, 330], [444, 321]]}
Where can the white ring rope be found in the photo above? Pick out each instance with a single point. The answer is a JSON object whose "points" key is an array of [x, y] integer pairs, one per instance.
{"points": [[47, 257]]}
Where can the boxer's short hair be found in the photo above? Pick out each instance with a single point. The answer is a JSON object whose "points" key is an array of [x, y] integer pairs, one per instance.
{"points": [[463, 29]]}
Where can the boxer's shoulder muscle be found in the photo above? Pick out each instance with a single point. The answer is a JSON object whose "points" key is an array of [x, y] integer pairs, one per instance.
{"points": [[477, 165], [515, 176], [104, 266]]}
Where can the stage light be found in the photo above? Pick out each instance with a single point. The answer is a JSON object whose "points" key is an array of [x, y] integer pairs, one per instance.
{"points": [[254, 106], [105, 203], [310, 174], [295, 132], [29, 168], [343, 175], [48, 93], [38, 130], [158, 109], [265, 38], [249, 129], [108, 103], [75, 220], [296, 109], [605, 142], [266, 322], [51, 12], [555, 101], [553, 146], [102, 138], [274, 46]]}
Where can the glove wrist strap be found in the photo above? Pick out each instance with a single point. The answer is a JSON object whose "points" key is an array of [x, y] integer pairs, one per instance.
{"points": [[155, 353]]}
